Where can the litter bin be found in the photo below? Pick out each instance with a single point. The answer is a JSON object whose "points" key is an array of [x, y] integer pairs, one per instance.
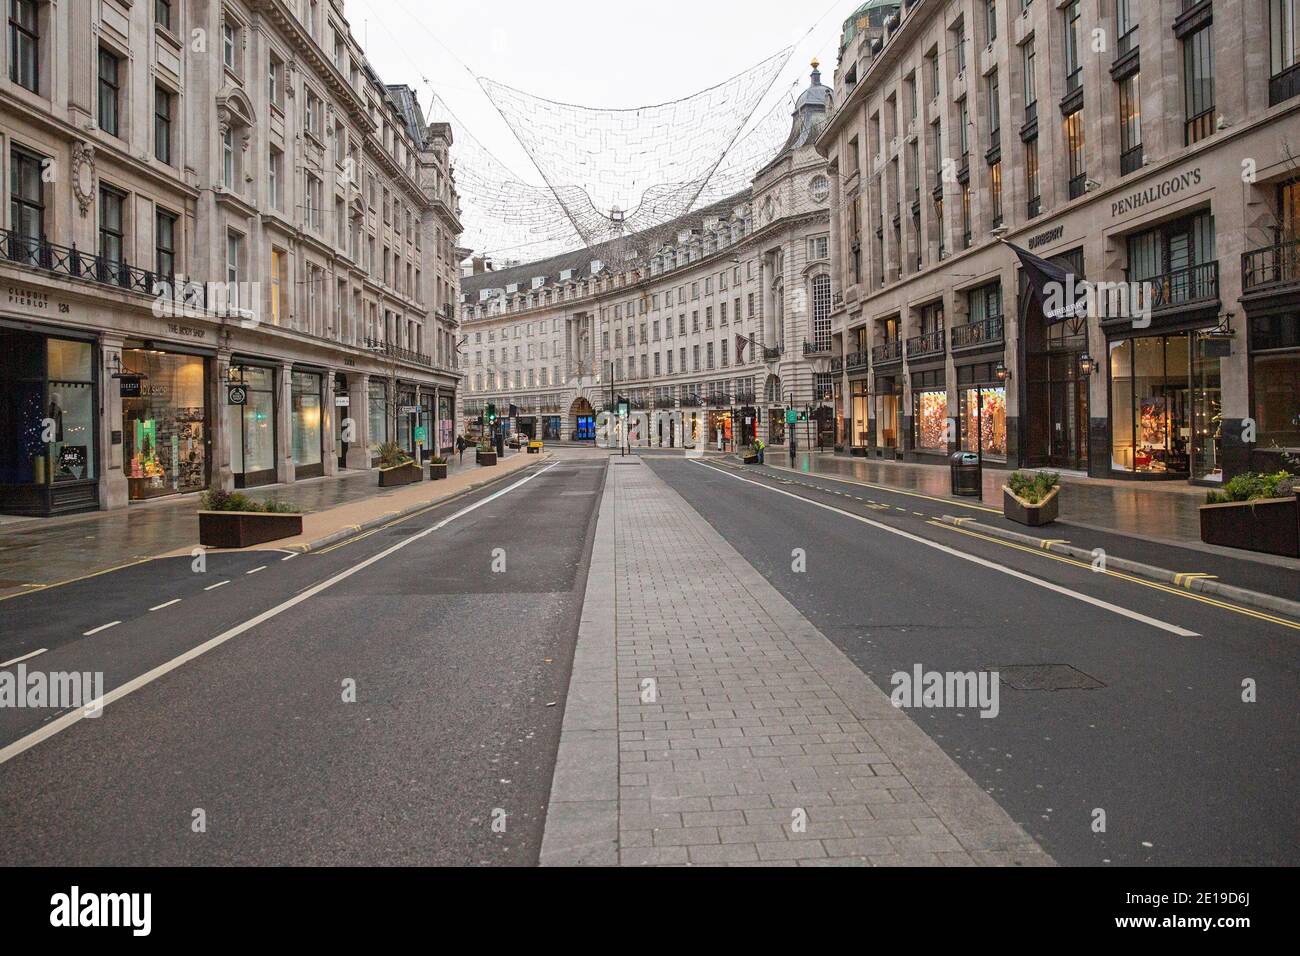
{"points": [[967, 475]]}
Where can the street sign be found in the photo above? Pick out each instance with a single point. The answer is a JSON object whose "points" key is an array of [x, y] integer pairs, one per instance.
{"points": [[131, 386], [421, 435], [791, 416], [237, 395], [411, 409], [342, 401]]}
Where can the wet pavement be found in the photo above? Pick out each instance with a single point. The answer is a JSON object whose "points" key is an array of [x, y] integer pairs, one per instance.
{"points": [[40, 552], [1154, 511]]}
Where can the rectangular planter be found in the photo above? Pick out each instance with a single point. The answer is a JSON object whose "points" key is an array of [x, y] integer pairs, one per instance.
{"points": [[408, 474], [437, 472], [487, 459], [1035, 516], [1269, 526], [749, 460], [244, 529]]}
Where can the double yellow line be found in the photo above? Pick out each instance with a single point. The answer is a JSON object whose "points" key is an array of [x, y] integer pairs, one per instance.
{"points": [[1184, 580]]}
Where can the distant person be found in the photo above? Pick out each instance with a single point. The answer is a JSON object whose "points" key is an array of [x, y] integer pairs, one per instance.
{"points": [[461, 445], [793, 448]]}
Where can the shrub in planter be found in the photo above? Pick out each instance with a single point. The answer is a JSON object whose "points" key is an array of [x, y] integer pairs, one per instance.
{"points": [[1255, 512], [1031, 499], [396, 468], [232, 520], [486, 456], [437, 468]]}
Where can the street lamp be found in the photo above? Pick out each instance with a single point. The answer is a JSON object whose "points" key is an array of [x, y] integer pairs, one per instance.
{"points": [[1001, 372], [1087, 365]]}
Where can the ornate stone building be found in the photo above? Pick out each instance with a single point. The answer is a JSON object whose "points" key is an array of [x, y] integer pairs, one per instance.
{"points": [[228, 258], [723, 315], [1115, 141]]}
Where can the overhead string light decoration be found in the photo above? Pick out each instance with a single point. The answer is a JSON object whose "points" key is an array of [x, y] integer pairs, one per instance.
{"points": [[618, 172]]}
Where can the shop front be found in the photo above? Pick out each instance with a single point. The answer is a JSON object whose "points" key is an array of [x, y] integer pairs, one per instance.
{"points": [[1275, 390], [551, 425], [377, 418], [720, 428], [446, 423], [342, 400], [1166, 407], [49, 408], [306, 421], [859, 437], [888, 401], [166, 435], [982, 411], [929, 413], [251, 426]]}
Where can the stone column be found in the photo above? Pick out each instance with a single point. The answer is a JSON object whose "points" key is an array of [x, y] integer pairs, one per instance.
{"points": [[114, 491], [358, 412], [284, 470]]}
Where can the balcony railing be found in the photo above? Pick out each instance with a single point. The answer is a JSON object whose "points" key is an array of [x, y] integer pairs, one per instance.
{"points": [[1284, 85], [1179, 288], [69, 261], [817, 347], [931, 343], [391, 351], [771, 355], [1272, 267], [891, 351], [990, 331], [855, 361]]}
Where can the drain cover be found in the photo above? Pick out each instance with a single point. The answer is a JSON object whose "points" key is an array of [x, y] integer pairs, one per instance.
{"points": [[1046, 677]]}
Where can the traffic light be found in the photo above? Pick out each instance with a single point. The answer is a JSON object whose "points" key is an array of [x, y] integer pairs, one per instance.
{"points": [[492, 414]]}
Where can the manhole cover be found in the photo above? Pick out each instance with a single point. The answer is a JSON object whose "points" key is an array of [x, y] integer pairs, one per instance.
{"points": [[1046, 677]]}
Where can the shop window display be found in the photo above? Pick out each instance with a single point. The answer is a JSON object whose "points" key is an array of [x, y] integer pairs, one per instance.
{"points": [[887, 408], [164, 429], [983, 417], [252, 426], [860, 416], [378, 416], [1151, 428], [306, 419], [930, 417]]}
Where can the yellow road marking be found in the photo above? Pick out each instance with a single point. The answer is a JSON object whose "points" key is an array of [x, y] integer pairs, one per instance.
{"points": [[1154, 585], [35, 588]]}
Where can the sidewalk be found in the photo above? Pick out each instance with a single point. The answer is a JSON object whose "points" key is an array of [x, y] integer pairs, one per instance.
{"points": [[36, 553], [1165, 511], [706, 716]]}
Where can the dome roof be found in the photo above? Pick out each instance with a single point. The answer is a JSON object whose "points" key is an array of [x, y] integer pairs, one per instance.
{"points": [[816, 95]]}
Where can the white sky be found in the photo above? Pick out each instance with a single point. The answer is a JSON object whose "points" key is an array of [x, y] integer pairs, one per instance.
{"points": [[588, 52]]}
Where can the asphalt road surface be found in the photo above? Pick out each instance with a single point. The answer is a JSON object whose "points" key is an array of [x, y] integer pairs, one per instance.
{"points": [[1130, 695], [456, 628]]}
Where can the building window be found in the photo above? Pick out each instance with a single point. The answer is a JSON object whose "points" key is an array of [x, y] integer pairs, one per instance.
{"points": [[1198, 84], [274, 179], [24, 44], [26, 205], [162, 13], [1074, 151], [1126, 25], [995, 109], [1031, 179], [228, 158], [111, 225], [1284, 42], [1031, 86], [164, 243], [821, 298], [966, 228], [314, 200], [162, 125], [961, 48], [228, 37], [1130, 125], [273, 89], [109, 105], [1073, 68], [991, 19], [995, 191]]}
